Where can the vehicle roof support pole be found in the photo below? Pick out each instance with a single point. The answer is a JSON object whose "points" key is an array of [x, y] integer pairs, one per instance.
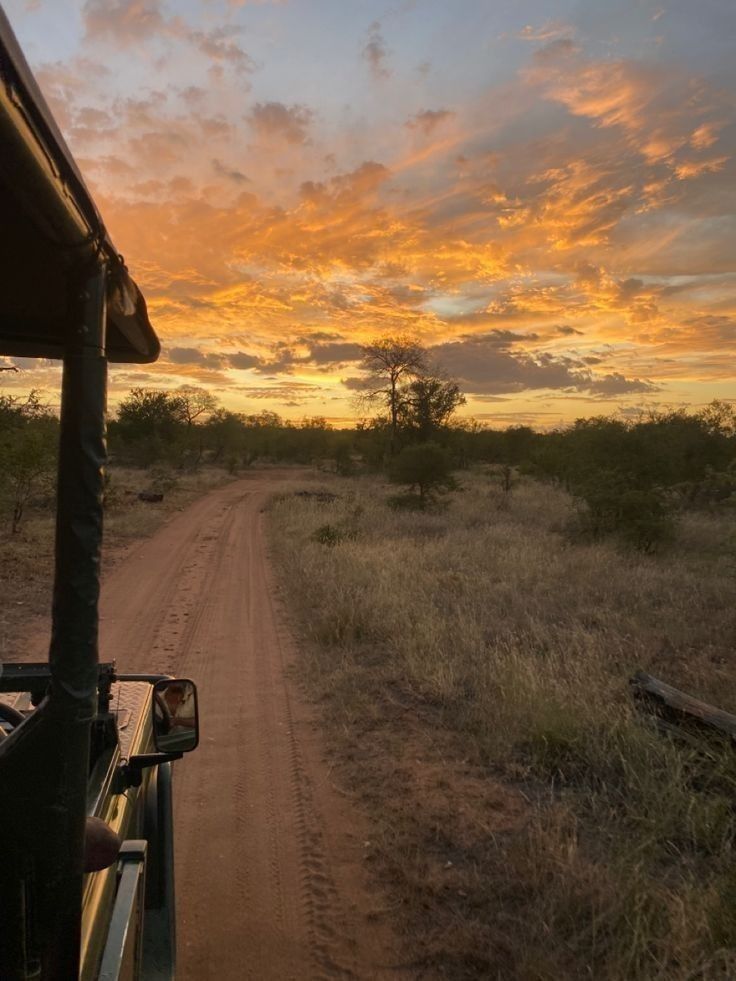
{"points": [[73, 656]]}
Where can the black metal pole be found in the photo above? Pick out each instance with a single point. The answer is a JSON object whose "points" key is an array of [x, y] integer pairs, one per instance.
{"points": [[73, 656], [82, 454]]}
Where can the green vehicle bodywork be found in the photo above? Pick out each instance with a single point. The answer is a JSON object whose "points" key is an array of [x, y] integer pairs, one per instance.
{"points": [[80, 742]]}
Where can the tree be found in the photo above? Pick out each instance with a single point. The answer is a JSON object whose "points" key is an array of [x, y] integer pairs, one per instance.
{"points": [[147, 411], [719, 418], [151, 422], [427, 404], [315, 422], [616, 505], [225, 432], [371, 437], [465, 439], [424, 466], [313, 439], [28, 449], [194, 402], [392, 361]]}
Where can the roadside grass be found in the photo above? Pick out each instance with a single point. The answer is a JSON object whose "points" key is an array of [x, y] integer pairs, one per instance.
{"points": [[27, 558], [472, 664], [127, 518]]}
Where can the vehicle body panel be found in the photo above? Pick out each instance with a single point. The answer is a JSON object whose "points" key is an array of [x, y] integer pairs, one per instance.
{"points": [[124, 813]]}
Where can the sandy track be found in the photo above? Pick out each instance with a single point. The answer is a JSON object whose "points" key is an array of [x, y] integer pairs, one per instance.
{"points": [[270, 879]]}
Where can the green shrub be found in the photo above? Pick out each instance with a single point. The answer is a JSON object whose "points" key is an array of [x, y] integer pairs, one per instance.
{"points": [[640, 516], [424, 466], [28, 450]]}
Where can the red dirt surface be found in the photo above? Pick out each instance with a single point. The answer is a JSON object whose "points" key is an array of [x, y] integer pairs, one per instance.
{"points": [[270, 857]]}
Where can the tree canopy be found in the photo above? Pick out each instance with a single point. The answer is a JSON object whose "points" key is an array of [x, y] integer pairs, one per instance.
{"points": [[389, 362]]}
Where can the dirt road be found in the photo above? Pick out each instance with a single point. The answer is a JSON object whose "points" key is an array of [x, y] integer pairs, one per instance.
{"points": [[270, 877]]}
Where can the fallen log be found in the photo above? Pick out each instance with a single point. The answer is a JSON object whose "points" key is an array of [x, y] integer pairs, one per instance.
{"points": [[150, 497], [677, 706]]}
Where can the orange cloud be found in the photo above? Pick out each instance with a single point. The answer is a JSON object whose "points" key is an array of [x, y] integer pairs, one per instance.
{"points": [[659, 109], [123, 21], [581, 205]]}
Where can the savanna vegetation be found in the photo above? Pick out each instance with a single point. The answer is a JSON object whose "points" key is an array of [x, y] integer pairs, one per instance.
{"points": [[471, 641], [472, 662], [472, 603], [630, 478]]}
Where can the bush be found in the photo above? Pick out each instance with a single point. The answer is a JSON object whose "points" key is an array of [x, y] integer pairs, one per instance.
{"points": [[162, 480], [639, 516], [715, 488], [28, 450], [329, 535], [424, 466]]}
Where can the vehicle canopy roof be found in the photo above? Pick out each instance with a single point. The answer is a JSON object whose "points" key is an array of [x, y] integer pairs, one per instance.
{"points": [[51, 231]]}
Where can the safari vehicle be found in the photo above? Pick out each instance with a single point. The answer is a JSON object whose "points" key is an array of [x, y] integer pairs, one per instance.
{"points": [[86, 850]]}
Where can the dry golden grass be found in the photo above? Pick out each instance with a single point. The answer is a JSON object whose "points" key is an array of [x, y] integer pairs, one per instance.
{"points": [[127, 518], [27, 558], [473, 666]]}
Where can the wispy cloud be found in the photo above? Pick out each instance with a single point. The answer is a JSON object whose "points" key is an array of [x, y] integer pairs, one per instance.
{"points": [[551, 30], [427, 120], [375, 52]]}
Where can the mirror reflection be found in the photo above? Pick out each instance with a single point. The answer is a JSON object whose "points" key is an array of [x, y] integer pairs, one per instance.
{"points": [[175, 718]]}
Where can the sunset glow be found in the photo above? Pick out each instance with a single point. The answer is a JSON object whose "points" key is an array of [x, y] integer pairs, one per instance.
{"points": [[542, 192]]}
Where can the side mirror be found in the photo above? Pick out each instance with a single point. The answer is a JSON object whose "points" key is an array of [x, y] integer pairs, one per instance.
{"points": [[175, 715]]}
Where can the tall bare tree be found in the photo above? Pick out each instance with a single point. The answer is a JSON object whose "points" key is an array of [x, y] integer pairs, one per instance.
{"points": [[391, 362], [194, 402]]}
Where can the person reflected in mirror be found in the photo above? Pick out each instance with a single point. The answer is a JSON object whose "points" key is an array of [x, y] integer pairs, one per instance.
{"points": [[175, 716], [178, 698]]}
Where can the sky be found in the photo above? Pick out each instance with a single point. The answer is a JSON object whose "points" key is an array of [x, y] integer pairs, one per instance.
{"points": [[542, 193]]}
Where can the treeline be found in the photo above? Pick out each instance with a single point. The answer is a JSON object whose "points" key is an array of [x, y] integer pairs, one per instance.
{"points": [[630, 476], [670, 448], [186, 427]]}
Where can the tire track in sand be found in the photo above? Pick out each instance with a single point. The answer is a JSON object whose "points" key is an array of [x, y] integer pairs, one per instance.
{"points": [[270, 878]]}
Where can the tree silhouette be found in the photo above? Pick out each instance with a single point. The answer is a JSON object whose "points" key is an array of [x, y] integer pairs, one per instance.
{"points": [[426, 405], [392, 361], [424, 466]]}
